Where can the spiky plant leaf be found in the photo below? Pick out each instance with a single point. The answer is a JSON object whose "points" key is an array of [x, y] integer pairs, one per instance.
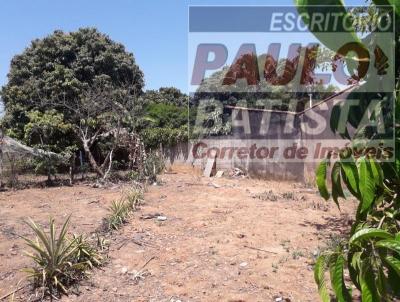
{"points": [[56, 257]]}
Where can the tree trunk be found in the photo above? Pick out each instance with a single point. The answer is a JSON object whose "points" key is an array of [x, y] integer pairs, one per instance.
{"points": [[92, 161], [109, 165]]}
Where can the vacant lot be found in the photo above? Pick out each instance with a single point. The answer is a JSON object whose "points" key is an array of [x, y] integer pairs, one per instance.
{"points": [[223, 239]]}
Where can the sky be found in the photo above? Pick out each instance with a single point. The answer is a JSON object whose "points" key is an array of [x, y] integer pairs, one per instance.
{"points": [[155, 31]]}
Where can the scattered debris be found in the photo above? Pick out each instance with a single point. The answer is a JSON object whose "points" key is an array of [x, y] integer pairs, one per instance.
{"points": [[260, 250], [219, 174], [281, 299], [150, 216], [211, 164], [221, 211], [243, 264], [236, 172], [211, 184], [13, 292], [161, 218], [141, 273], [158, 216]]}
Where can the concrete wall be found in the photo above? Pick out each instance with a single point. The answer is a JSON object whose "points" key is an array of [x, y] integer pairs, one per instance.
{"points": [[279, 169]]}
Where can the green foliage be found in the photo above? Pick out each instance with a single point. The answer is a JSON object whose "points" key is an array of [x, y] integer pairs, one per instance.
{"points": [[86, 254], [153, 137], [134, 198], [154, 165], [119, 214], [373, 249], [321, 175], [121, 210], [166, 115], [167, 95], [59, 260], [371, 254], [165, 118], [71, 89], [60, 67], [373, 263], [47, 130], [344, 24], [319, 277]]}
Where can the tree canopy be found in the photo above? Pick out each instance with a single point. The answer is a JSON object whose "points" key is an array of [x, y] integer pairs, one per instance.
{"points": [[62, 66], [73, 90], [165, 117]]}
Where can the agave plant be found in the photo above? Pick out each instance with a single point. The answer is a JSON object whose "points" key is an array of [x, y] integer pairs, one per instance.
{"points": [[119, 214], [52, 255], [134, 198], [59, 260], [85, 253]]}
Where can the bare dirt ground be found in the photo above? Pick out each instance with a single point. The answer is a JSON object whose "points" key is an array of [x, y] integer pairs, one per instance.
{"points": [[221, 241]]}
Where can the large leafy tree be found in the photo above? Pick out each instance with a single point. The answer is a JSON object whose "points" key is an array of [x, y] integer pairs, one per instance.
{"points": [[89, 80]]}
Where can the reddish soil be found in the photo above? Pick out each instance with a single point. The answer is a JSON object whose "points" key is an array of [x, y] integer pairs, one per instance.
{"points": [[220, 242]]}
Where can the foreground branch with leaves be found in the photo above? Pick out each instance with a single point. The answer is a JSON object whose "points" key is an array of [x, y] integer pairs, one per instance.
{"points": [[370, 255]]}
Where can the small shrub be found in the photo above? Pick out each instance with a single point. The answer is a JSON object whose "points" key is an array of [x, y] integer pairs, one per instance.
{"points": [[133, 176], [297, 254], [134, 198], [154, 165], [115, 177], [266, 196], [119, 214], [122, 209], [288, 196], [59, 260]]}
